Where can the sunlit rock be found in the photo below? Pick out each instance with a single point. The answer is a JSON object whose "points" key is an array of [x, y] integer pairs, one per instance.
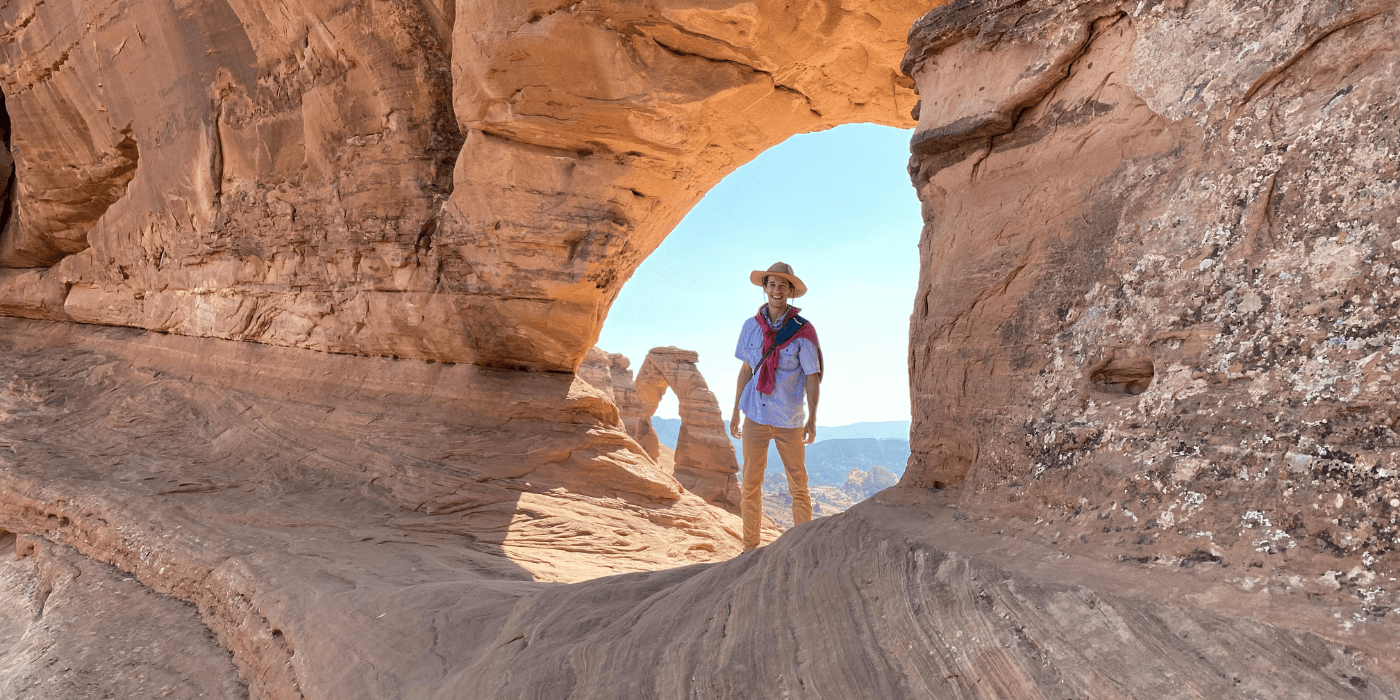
{"points": [[1156, 317], [704, 461]]}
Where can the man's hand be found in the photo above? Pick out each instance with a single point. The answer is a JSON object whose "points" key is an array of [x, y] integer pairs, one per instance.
{"points": [[814, 389], [745, 374]]}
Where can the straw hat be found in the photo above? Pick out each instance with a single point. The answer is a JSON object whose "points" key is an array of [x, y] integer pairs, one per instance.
{"points": [[783, 270]]}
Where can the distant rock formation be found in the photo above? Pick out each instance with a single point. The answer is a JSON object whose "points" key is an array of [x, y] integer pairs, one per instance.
{"points": [[609, 373], [862, 485], [597, 369], [827, 500], [705, 461]]}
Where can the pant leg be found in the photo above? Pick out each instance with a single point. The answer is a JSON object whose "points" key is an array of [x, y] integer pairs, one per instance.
{"points": [[793, 451], [755, 437]]}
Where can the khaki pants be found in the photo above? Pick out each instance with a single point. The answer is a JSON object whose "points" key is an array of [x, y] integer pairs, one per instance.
{"points": [[794, 455]]}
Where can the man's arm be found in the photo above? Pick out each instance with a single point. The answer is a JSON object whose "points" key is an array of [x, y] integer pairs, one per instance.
{"points": [[745, 374], [814, 387]]}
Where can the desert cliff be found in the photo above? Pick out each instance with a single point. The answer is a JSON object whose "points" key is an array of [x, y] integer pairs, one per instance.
{"points": [[295, 296], [1159, 272]]}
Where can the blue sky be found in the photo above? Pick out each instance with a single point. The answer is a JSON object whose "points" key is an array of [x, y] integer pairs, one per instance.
{"points": [[837, 206]]}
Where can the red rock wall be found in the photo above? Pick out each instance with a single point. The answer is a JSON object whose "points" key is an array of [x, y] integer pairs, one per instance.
{"points": [[1156, 312], [468, 182], [1153, 344]]}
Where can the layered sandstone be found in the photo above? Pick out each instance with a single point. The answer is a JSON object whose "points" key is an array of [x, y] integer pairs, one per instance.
{"points": [[1156, 311], [882, 602], [1151, 355], [318, 507], [609, 372], [72, 628], [705, 461], [468, 182]]}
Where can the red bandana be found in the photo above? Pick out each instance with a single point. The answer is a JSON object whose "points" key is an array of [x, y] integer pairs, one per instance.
{"points": [[768, 371]]}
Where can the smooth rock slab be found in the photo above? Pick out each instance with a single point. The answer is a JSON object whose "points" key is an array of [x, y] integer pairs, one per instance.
{"points": [[905, 602], [72, 628]]}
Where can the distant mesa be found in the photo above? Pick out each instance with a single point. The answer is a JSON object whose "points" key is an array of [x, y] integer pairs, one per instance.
{"points": [[837, 451], [862, 485], [826, 499]]}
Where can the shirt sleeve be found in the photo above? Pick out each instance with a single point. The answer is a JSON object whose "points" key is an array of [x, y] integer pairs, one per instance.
{"points": [[742, 349], [807, 355]]}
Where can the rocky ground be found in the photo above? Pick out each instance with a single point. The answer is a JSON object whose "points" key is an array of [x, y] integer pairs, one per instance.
{"points": [[301, 517], [937, 605], [319, 274], [72, 628]]}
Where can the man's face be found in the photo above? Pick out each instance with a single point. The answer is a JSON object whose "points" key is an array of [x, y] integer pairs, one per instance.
{"points": [[778, 290]]}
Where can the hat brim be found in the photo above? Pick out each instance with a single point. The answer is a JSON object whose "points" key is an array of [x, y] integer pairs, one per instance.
{"points": [[798, 289]]}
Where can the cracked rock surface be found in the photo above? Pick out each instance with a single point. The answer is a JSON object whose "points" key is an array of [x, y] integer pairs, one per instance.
{"points": [[336, 263], [1161, 263], [452, 181]]}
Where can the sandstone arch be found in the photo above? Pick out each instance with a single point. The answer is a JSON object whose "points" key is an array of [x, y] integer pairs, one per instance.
{"points": [[1228, 216], [469, 182], [705, 461]]}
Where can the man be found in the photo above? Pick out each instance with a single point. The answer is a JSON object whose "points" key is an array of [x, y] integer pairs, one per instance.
{"points": [[782, 363]]}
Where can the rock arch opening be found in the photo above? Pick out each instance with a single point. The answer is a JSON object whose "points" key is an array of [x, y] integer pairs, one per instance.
{"points": [[837, 206]]}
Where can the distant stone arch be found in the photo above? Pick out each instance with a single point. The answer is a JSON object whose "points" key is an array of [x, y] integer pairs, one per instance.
{"points": [[705, 462]]}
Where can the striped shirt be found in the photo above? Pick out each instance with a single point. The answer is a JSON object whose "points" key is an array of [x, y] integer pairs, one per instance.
{"points": [[785, 407]]}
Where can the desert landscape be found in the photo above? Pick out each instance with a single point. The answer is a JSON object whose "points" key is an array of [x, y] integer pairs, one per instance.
{"points": [[299, 398]]}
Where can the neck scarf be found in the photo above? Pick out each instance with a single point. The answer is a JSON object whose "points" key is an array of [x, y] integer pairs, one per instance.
{"points": [[768, 371]]}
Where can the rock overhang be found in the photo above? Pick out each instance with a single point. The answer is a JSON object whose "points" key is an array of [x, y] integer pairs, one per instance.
{"points": [[410, 179]]}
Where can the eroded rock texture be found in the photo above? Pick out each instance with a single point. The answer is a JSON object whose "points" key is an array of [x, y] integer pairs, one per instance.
{"points": [[74, 629], [320, 507], [1152, 349], [704, 461], [470, 182], [1160, 273], [864, 604]]}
